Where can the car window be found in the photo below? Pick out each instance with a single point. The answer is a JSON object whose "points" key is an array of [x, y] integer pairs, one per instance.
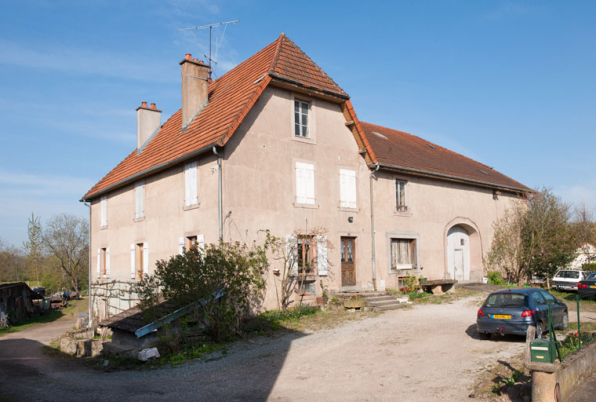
{"points": [[592, 276], [548, 296], [537, 297], [506, 300]]}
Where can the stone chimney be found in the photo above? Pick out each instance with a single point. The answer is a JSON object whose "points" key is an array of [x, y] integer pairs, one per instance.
{"points": [[195, 88], [148, 122]]}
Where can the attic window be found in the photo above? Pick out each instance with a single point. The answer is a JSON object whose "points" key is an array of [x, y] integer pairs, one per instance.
{"points": [[483, 172], [379, 135], [431, 146]]}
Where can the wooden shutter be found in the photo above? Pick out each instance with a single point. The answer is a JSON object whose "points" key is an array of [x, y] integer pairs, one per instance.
{"points": [[145, 258], [347, 184], [201, 242], [108, 261], [300, 184], [343, 189], [190, 184], [99, 263], [322, 255], [292, 253], [310, 184], [180, 245], [132, 261], [352, 189], [104, 211], [140, 200]]}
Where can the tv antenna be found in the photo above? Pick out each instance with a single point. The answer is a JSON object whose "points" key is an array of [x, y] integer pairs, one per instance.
{"points": [[211, 26]]}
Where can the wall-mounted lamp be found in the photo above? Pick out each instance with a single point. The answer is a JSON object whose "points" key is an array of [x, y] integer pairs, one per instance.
{"points": [[351, 219]]}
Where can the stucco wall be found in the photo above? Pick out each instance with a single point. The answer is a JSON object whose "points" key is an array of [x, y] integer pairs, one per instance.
{"points": [[434, 207], [259, 193]]}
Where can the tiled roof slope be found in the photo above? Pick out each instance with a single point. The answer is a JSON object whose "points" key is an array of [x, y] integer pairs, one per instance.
{"points": [[410, 153], [230, 99]]}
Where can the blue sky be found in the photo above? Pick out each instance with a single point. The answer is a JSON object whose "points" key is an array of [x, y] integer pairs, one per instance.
{"points": [[509, 84]]}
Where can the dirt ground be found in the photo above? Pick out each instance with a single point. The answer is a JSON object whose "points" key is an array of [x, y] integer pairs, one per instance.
{"points": [[421, 353]]}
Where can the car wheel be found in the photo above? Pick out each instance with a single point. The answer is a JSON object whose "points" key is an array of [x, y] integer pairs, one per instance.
{"points": [[539, 330], [565, 322], [484, 335]]}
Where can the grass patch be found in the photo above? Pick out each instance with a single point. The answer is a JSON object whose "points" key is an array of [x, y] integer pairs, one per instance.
{"points": [[569, 299], [429, 298]]}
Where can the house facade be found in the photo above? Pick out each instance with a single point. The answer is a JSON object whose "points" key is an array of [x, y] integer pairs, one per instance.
{"points": [[276, 144]]}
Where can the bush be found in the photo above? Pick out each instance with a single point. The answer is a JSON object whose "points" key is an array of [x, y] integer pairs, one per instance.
{"points": [[200, 274], [495, 278], [589, 267]]}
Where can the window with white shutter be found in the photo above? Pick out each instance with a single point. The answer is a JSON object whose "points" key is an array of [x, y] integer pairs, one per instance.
{"points": [[104, 212], [305, 183], [347, 188], [322, 255], [400, 195], [140, 200], [191, 192]]}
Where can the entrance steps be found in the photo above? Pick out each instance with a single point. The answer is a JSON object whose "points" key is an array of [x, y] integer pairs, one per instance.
{"points": [[387, 302]]}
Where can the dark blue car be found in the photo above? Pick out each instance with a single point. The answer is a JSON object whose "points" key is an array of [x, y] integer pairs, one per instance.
{"points": [[511, 311]]}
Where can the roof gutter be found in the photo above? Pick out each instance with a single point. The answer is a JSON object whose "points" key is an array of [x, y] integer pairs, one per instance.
{"points": [[454, 178], [149, 171], [298, 83]]}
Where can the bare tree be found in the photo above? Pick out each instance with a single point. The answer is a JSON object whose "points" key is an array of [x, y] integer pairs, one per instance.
{"points": [[585, 230], [534, 237], [66, 237], [34, 248], [11, 263]]}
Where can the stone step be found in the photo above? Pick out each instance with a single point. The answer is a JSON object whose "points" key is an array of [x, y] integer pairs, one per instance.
{"points": [[392, 306], [376, 298]]}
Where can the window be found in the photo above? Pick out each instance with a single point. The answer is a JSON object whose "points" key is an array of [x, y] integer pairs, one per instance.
{"points": [[301, 123], [139, 260], [103, 262], [400, 193], [191, 241], [140, 200], [347, 188], [305, 183], [104, 212], [304, 254], [403, 253], [307, 288], [190, 184]]}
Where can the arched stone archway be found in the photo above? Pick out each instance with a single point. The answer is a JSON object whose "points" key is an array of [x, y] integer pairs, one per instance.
{"points": [[463, 251]]}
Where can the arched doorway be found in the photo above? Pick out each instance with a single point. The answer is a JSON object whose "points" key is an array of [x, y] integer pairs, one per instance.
{"points": [[458, 253]]}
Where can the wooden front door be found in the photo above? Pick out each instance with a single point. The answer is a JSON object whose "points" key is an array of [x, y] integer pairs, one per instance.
{"points": [[348, 261]]}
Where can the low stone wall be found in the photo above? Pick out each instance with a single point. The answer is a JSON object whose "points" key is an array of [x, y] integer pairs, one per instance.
{"points": [[81, 347], [549, 380]]}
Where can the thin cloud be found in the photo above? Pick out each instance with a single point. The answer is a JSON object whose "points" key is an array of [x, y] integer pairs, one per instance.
{"points": [[23, 185], [83, 61]]}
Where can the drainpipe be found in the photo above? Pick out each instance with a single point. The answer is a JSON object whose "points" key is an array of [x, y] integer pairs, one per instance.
{"points": [[372, 229], [89, 252], [219, 191]]}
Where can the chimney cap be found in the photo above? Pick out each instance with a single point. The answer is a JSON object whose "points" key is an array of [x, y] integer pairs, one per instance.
{"points": [[143, 104], [152, 108], [188, 56]]}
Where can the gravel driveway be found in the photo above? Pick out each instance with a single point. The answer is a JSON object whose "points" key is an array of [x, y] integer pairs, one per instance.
{"points": [[422, 353]]}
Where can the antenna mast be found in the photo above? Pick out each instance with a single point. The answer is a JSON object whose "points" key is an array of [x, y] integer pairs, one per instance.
{"points": [[210, 26]]}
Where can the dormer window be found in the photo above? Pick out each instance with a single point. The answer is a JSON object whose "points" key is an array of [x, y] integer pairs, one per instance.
{"points": [[301, 119]]}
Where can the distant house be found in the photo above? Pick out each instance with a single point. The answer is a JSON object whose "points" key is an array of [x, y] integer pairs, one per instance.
{"points": [[276, 144], [585, 254]]}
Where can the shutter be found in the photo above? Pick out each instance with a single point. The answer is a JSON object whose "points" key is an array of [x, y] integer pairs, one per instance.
{"points": [[194, 184], [343, 189], [187, 185], [201, 242], [108, 261], [300, 184], [132, 261], [322, 255], [180, 245], [137, 206], [146, 258], [98, 262], [142, 201], [292, 253], [352, 189], [310, 185], [104, 212]]}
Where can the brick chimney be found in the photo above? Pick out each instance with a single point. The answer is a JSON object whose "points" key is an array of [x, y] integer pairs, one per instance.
{"points": [[195, 88], [148, 122]]}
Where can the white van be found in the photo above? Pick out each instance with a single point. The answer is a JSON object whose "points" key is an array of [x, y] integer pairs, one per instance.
{"points": [[567, 279]]}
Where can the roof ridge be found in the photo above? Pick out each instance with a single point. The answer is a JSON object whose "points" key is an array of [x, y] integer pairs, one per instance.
{"points": [[275, 58]]}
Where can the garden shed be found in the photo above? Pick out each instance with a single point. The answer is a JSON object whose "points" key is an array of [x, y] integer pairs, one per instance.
{"points": [[16, 300]]}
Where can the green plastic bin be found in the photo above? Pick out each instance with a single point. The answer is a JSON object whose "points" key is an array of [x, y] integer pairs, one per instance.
{"points": [[543, 351]]}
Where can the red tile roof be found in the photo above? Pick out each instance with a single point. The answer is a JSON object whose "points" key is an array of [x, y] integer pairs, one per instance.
{"points": [[230, 99], [406, 152]]}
